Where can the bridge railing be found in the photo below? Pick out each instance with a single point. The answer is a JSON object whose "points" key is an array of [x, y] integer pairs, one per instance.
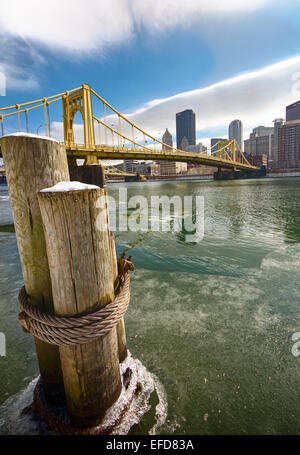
{"points": [[15, 112]]}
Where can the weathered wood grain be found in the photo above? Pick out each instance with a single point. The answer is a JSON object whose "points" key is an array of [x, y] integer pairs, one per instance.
{"points": [[83, 272], [32, 164]]}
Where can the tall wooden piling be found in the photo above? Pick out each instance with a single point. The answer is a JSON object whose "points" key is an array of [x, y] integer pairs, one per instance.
{"points": [[33, 163], [83, 274], [95, 175]]}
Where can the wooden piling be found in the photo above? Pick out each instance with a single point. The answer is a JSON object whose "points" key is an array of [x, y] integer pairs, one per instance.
{"points": [[33, 163], [95, 175], [83, 274], [121, 331], [122, 344]]}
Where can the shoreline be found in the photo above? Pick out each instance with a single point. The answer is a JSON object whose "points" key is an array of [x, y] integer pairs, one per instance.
{"points": [[281, 174]]}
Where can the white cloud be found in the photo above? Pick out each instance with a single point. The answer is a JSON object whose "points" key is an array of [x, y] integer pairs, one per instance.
{"points": [[168, 13], [82, 25], [17, 78], [257, 98], [2, 83], [19, 72]]}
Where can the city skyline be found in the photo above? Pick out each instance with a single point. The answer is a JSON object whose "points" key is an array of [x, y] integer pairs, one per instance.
{"points": [[276, 146]]}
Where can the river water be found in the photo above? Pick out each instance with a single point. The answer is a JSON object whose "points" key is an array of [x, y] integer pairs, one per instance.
{"points": [[212, 320]]}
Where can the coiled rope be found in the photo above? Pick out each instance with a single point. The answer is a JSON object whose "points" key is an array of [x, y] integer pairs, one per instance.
{"points": [[67, 331]]}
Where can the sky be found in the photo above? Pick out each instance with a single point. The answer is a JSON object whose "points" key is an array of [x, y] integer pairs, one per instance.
{"points": [[152, 58]]}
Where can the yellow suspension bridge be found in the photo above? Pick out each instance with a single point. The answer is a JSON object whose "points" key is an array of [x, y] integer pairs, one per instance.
{"points": [[109, 135]]}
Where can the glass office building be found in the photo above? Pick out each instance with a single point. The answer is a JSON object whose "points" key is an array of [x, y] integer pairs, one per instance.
{"points": [[186, 127]]}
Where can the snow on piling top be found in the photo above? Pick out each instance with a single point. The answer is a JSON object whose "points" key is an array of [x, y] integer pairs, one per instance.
{"points": [[62, 187], [37, 136]]}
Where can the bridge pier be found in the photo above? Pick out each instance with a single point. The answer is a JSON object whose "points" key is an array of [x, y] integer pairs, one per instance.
{"points": [[72, 161], [231, 174], [91, 159], [92, 174], [134, 178], [218, 174]]}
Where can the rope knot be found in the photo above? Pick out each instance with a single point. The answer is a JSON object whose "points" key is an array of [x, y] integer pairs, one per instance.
{"points": [[124, 266], [73, 330]]}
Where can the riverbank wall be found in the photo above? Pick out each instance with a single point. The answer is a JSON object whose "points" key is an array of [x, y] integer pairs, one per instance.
{"points": [[283, 173]]}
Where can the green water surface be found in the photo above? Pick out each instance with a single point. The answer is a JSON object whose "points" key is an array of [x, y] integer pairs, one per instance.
{"points": [[213, 320]]}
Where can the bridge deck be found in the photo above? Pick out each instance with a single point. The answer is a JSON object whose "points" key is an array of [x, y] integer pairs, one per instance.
{"points": [[110, 153]]}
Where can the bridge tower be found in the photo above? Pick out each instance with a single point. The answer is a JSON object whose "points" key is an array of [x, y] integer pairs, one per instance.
{"points": [[80, 100], [229, 147]]}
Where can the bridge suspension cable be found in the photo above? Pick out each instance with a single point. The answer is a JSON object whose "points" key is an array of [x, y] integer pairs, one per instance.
{"points": [[114, 131], [226, 149]]}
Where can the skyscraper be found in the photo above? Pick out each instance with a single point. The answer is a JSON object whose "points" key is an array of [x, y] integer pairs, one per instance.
{"points": [[170, 167], [213, 143], [260, 131], [278, 122], [260, 142], [186, 127], [167, 139], [287, 138], [235, 131], [289, 144], [185, 144], [130, 165], [293, 111]]}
